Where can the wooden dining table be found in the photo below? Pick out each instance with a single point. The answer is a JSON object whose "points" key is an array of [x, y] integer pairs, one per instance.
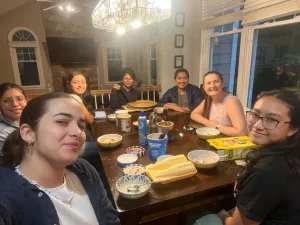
{"points": [[206, 187]]}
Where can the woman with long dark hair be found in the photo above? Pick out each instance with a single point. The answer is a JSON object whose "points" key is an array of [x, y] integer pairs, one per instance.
{"points": [[267, 191], [78, 87], [12, 103], [220, 109], [42, 180]]}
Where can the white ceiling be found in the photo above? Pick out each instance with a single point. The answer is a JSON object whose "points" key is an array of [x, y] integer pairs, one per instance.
{"points": [[11, 5]]}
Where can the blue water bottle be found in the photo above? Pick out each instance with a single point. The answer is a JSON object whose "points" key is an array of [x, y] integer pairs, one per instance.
{"points": [[142, 125]]}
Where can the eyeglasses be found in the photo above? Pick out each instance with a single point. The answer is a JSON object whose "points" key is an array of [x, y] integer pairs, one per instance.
{"points": [[268, 122], [10, 101]]}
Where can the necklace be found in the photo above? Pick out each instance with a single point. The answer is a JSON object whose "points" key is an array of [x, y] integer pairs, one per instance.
{"points": [[68, 183]]}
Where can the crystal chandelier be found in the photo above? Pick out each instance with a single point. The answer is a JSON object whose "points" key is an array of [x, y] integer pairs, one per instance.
{"points": [[121, 15]]}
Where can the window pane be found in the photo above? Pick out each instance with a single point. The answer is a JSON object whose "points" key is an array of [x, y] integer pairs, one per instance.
{"points": [[114, 70], [29, 73], [276, 60], [227, 27], [218, 29], [224, 58], [26, 57], [23, 35], [20, 57], [153, 71]]}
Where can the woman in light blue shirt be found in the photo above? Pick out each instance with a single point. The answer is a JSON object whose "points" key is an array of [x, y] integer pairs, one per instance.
{"points": [[12, 103]]}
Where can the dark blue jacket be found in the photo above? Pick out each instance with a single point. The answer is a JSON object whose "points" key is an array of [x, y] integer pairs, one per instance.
{"points": [[194, 96], [22, 203], [121, 97]]}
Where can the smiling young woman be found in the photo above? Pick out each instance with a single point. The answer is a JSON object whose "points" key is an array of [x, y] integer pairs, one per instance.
{"points": [[42, 179], [267, 191], [220, 109], [12, 103], [77, 86]]}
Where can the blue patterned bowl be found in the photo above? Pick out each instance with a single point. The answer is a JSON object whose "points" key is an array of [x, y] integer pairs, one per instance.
{"points": [[128, 180]]}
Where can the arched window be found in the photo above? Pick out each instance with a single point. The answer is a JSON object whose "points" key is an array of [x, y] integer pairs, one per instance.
{"points": [[26, 58]]}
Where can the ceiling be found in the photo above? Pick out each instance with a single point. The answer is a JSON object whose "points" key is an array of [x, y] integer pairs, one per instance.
{"points": [[11, 5]]}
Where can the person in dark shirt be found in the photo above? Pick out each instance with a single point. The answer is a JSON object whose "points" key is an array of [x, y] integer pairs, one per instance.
{"points": [[183, 97], [123, 93], [267, 191], [42, 180]]}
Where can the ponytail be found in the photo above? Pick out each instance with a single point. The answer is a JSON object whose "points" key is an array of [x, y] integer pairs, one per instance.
{"points": [[13, 150]]}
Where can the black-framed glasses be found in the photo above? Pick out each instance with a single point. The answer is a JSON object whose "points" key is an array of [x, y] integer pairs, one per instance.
{"points": [[268, 122]]}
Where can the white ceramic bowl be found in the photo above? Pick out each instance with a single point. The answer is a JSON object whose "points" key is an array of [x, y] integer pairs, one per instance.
{"points": [[207, 132], [204, 159], [128, 180], [112, 117], [127, 159], [109, 140]]}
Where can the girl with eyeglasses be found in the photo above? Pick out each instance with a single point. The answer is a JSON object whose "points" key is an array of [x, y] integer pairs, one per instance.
{"points": [[123, 93], [267, 191], [12, 103], [42, 180]]}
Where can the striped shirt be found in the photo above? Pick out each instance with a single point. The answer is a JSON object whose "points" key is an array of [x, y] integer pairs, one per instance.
{"points": [[6, 128]]}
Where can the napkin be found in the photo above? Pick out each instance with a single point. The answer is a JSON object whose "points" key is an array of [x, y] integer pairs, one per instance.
{"points": [[100, 115]]}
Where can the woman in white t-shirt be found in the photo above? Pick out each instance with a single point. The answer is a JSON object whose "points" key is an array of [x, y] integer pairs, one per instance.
{"points": [[42, 180]]}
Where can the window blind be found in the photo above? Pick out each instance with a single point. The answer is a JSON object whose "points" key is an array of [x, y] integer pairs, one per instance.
{"points": [[261, 10], [218, 12]]}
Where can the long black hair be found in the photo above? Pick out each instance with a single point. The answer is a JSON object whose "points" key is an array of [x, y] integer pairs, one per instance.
{"points": [[208, 99], [290, 148], [14, 146]]}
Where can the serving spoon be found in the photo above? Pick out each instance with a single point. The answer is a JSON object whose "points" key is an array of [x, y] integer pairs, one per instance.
{"points": [[136, 187]]}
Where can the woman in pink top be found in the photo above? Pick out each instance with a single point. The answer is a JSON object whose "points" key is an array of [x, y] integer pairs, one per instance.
{"points": [[220, 110]]}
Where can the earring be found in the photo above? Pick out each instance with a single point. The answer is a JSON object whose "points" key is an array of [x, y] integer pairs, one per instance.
{"points": [[30, 148]]}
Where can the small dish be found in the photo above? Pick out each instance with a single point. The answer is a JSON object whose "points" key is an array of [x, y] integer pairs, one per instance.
{"points": [[134, 169], [166, 124], [112, 117], [129, 180], [204, 159], [136, 150], [127, 159], [109, 140], [207, 132]]}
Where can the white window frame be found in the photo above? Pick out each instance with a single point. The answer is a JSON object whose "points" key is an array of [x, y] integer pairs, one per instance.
{"points": [[13, 54], [105, 61], [246, 53], [149, 58]]}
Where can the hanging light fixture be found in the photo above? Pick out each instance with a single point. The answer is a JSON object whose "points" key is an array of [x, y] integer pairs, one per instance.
{"points": [[122, 15]]}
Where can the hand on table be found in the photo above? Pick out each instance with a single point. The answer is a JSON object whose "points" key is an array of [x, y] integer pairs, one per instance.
{"points": [[212, 123]]}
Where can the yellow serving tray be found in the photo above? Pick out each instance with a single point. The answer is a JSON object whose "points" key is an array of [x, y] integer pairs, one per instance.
{"points": [[171, 169]]}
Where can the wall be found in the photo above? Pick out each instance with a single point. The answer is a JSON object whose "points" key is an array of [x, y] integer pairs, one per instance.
{"points": [[191, 50], [28, 15]]}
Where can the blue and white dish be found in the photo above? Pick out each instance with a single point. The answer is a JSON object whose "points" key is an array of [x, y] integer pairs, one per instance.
{"points": [[128, 180], [127, 159]]}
